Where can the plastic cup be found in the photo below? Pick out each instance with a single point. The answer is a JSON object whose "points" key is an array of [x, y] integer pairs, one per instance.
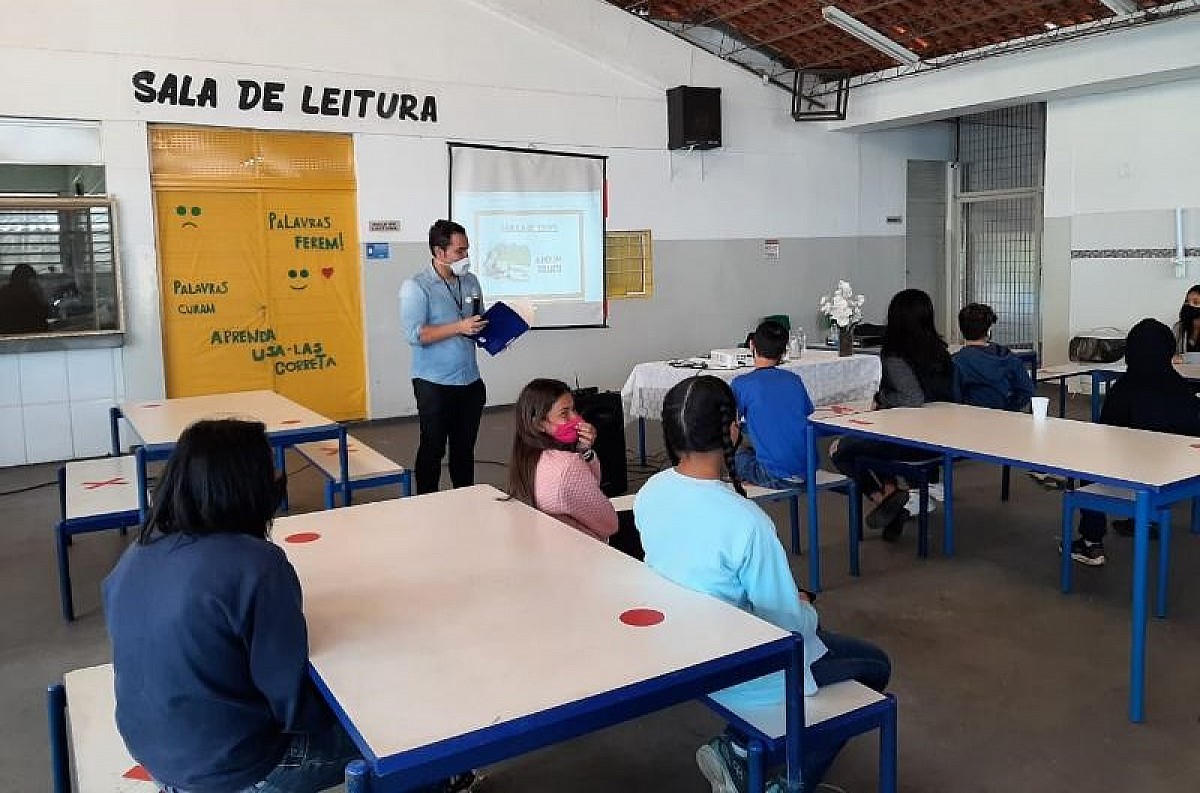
{"points": [[1040, 406]]}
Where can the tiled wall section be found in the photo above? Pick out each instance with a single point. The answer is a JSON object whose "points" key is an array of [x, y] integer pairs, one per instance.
{"points": [[54, 405]]}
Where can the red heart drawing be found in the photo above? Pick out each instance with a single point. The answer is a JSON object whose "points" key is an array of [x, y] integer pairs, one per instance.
{"points": [[327, 272]]}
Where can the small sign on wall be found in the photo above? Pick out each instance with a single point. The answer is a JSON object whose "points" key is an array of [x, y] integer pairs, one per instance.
{"points": [[378, 250], [771, 249], [383, 226]]}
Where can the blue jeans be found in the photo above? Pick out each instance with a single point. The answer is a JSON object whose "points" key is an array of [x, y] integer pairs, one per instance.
{"points": [[313, 762], [749, 468]]}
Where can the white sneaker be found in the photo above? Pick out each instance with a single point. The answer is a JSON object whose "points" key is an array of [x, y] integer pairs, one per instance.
{"points": [[914, 501]]}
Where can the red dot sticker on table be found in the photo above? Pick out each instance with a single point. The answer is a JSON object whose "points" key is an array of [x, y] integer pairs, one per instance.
{"points": [[641, 618], [302, 536], [138, 773], [863, 422], [152, 405], [290, 421]]}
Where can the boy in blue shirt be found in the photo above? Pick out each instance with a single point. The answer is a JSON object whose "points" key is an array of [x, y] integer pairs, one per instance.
{"points": [[774, 407], [988, 374]]}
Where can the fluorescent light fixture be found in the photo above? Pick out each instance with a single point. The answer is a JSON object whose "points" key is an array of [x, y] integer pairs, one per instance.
{"points": [[1122, 6], [872, 37]]}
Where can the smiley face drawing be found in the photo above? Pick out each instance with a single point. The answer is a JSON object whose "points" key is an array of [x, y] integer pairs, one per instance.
{"points": [[183, 212], [298, 279]]}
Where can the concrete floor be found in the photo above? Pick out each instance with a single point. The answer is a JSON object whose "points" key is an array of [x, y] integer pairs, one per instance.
{"points": [[1003, 683]]}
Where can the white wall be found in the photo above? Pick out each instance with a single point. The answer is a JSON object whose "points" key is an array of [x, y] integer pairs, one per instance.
{"points": [[577, 75], [1117, 166]]}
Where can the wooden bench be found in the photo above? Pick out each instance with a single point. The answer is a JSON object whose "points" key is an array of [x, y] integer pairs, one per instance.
{"points": [[368, 468], [95, 495], [826, 480], [835, 713], [83, 726]]}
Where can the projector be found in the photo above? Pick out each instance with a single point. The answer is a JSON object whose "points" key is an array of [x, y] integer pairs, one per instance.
{"points": [[726, 359]]}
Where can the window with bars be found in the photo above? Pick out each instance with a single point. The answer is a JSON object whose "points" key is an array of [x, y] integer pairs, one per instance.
{"points": [[58, 266], [628, 264]]}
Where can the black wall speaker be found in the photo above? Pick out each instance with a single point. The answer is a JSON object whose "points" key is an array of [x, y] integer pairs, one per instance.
{"points": [[603, 411], [693, 117]]}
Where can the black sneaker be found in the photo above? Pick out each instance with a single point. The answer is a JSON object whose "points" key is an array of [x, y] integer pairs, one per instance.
{"points": [[893, 530], [1089, 553], [887, 510], [1124, 527]]}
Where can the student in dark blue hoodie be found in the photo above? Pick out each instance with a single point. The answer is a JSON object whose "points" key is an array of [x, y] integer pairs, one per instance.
{"points": [[210, 647], [988, 374]]}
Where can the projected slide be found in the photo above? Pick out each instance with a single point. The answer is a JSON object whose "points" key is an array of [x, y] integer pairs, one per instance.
{"points": [[541, 237]]}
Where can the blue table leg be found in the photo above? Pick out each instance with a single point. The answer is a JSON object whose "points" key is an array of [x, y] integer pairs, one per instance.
{"points": [[358, 777], [1065, 570], [1062, 397], [854, 522], [642, 441], [795, 714], [1195, 515], [1095, 396], [756, 767], [794, 522], [1137, 660], [114, 429], [344, 460], [814, 531], [60, 763], [948, 512], [1164, 562], [887, 753]]}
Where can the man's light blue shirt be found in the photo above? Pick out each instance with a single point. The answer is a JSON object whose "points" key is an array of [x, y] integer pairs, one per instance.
{"points": [[427, 299], [701, 534]]}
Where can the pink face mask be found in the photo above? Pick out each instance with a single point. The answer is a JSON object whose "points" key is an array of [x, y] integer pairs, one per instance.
{"points": [[568, 432]]}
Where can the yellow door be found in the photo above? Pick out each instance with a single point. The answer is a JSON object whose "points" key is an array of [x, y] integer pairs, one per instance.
{"points": [[261, 286]]}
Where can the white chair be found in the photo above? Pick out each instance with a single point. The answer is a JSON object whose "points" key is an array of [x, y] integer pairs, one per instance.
{"points": [[368, 468]]}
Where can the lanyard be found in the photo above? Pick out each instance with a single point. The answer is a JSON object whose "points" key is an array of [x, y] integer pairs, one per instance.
{"points": [[458, 300]]}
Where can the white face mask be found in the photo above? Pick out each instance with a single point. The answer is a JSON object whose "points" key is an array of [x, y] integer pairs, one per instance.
{"points": [[461, 267]]}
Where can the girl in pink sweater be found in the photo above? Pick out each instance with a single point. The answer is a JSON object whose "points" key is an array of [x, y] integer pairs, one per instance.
{"points": [[553, 467]]}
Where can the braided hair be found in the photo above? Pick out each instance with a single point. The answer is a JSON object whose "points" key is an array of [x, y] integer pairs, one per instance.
{"points": [[697, 414]]}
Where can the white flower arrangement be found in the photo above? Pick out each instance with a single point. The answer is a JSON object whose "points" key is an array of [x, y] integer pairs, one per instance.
{"points": [[841, 306]]}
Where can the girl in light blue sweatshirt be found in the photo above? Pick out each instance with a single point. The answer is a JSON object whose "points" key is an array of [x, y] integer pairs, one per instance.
{"points": [[704, 534]]}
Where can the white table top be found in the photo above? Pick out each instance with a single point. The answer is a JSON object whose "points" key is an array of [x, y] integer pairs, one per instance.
{"points": [[1115, 455], [828, 378], [160, 422], [1190, 371], [434, 616]]}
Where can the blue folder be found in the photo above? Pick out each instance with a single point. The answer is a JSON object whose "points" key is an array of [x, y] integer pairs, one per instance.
{"points": [[504, 327]]}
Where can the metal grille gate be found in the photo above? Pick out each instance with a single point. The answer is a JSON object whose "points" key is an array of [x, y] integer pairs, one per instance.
{"points": [[999, 207]]}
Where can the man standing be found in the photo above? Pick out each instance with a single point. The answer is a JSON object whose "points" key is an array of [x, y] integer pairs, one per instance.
{"points": [[439, 309]]}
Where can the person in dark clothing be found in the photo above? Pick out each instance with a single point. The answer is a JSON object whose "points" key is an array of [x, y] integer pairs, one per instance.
{"points": [[210, 646], [23, 307], [916, 369], [988, 375], [1187, 330], [1151, 395]]}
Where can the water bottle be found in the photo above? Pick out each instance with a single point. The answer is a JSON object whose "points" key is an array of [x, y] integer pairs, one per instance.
{"points": [[795, 343]]}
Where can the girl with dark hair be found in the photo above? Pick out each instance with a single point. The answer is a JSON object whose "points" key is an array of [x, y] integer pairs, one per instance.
{"points": [[916, 369], [1187, 330], [553, 467], [210, 647], [702, 533]]}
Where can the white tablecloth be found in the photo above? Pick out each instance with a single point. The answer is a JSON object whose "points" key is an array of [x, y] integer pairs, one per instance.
{"points": [[828, 378]]}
